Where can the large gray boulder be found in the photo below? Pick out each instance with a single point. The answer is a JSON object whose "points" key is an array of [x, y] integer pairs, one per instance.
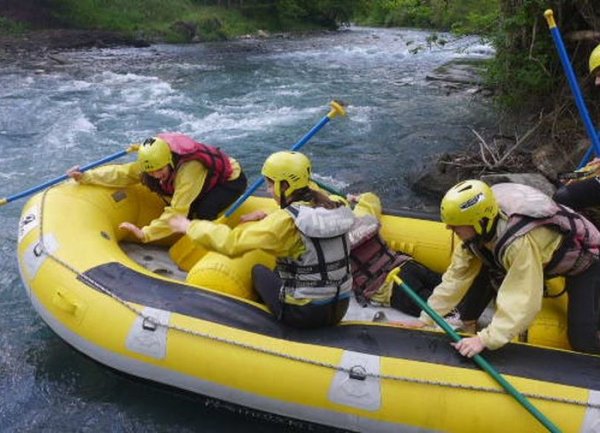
{"points": [[535, 180]]}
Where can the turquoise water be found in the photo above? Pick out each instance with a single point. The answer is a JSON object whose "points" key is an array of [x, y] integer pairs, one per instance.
{"points": [[248, 97]]}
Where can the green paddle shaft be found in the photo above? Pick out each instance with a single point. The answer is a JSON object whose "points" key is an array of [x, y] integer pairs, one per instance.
{"points": [[479, 360], [328, 188]]}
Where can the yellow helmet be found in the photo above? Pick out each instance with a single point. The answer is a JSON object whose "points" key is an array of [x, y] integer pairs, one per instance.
{"points": [[293, 167], [595, 59], [154, 154], [470, 203]]}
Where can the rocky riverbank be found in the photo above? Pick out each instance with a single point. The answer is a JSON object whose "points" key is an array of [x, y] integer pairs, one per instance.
{"points": [[40, 45]]}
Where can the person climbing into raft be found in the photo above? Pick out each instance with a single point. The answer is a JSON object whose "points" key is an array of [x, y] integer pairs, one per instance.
{"points": [[194, 179], [521, 234], [308, 234]]}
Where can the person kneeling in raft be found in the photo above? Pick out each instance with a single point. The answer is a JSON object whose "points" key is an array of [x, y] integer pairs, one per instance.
{"points": [[308, 234]]}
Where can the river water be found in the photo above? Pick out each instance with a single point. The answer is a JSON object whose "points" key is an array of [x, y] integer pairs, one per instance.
{"points": [[248, 97]]}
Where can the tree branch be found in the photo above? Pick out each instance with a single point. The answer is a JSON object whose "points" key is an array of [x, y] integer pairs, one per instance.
{"points": [[483, 145], [583, 35], [520, 141]]}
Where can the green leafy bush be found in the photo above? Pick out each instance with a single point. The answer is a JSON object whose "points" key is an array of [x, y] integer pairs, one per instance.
{"points": [[184, 20], [464, 16], [11, 27]]}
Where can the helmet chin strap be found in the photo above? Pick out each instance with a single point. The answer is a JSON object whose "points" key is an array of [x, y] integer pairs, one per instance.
{"points": [[488, 235], [282, 199]]}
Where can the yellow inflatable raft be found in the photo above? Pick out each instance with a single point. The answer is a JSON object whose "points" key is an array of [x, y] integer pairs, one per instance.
{"points": [[203, 330]]}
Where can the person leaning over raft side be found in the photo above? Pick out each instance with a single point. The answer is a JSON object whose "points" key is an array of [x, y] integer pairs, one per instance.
{"points": [[312, 282], [584, 193], [372, 259], [523, 233], [194, 179]]}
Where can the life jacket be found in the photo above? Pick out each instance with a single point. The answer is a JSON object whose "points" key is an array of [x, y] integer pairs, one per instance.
{"points": [[186, 149], [322, 274], [524, 208], [371, 258]]}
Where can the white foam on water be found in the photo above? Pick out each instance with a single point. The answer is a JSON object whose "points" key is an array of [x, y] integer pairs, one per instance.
{"points": [[402, 56], [480, 50], [10, 174], [122, 97], [241, 121], [336, 57], [133, 86], [12, 85], [74, 86], [193, 67], [70, 130]]}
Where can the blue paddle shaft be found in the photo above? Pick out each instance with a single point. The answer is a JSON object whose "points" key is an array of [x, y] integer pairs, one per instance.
{"points": [[64, 177], [581, 106], [261, 180]]}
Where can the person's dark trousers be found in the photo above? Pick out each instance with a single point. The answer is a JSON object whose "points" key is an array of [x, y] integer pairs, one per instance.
{"points": [[421, 280], [583, 317], [268, 286], [477, 297], [580, 194], [208, 206]]}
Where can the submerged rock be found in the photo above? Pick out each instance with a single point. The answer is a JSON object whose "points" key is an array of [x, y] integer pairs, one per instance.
{"points": [[460, 75], [461, 71]]}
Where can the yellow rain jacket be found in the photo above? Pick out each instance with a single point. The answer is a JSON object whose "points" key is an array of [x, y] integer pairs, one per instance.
{"points": [[368, 204], [519, 297], [189, 180], [276, 234]]}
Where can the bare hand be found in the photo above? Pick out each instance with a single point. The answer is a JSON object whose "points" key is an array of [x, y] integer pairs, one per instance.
{"points": [[353, 198], [75, 173], [469, 347], [179, 224], [253, 216], [133, 229]]}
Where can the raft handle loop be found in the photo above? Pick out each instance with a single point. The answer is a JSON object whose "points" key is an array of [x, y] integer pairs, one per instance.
{"points": [[358, 372], [148, 324], [38, 250], [65, 302]]}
